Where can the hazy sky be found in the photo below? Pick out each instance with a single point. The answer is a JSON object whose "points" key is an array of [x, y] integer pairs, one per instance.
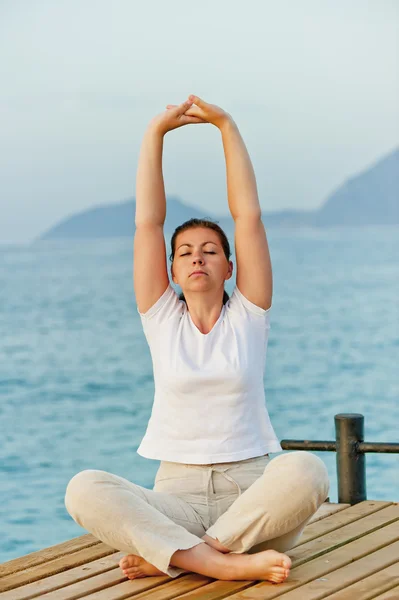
{"points": [[313, 86]]}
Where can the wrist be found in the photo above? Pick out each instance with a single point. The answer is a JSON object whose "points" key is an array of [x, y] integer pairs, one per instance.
{"points": [[227, 123], [155, 129]]}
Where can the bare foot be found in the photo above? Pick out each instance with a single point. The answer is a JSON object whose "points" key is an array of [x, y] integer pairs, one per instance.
{"points": [[268, 565], [135, 567]]}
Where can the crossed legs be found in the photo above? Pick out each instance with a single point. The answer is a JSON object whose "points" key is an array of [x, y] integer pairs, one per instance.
{"points": [[167, 534]]}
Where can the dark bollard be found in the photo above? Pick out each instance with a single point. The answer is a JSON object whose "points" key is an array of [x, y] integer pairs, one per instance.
{"points": [[351, 448], [351, 464]]}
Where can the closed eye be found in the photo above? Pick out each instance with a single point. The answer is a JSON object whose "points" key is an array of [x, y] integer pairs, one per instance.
{"points": [[190, 253]]}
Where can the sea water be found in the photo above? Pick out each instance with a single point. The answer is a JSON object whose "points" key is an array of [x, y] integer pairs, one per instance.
{"points": [[76, 385]]}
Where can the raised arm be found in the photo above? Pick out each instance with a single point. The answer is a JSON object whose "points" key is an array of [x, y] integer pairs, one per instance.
{"points": [[149, 264], [254, 270]]}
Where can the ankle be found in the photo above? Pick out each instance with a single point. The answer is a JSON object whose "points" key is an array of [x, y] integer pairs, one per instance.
{"points": [[236, 566], [203, 559]]}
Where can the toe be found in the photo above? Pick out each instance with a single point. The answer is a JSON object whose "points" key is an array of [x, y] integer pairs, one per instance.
{"points": [[287, 562], [132, 573], [278, 571], [132, 570]]}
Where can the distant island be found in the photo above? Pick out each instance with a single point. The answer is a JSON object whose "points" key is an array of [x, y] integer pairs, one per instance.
{"points": [[369, 198]]}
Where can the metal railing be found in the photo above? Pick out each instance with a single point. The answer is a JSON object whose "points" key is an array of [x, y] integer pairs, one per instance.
{"points": [[351, 448]]}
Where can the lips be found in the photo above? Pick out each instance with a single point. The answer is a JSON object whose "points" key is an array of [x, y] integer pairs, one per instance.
{"points": [[198, 273]]}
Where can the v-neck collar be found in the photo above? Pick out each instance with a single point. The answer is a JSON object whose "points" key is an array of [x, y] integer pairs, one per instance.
{"points": [[209, 332]]}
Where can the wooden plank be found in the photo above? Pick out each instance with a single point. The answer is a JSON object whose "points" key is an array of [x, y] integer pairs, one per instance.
{"points": [[327, 509], [53, 567], [217, 590], [38, 559], [85, 541], [323, 565], [339, 537], [172, 589], [50, 553], [391, 595], [368, 588], [71, 548], [322, 587], [100, 573], [349, 515]]}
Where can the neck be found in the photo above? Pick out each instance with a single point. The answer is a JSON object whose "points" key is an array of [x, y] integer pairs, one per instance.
{"points": [[204, 308]]}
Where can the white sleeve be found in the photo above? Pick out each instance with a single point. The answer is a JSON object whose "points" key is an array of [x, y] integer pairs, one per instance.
{"points": [[239, 303], [167, 306]]}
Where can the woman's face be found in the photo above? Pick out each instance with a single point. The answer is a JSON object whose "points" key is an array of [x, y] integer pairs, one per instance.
{"points": [[200, 249]]}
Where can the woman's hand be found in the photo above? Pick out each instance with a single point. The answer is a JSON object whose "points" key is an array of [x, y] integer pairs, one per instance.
{"points": [[209, 113], [174, 117]]}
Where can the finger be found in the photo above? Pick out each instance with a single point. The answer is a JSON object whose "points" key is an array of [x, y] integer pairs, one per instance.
{"points": [[197, 120], [187, 120], [189, 113], [194, 111], [181, 108], [196, 100]]}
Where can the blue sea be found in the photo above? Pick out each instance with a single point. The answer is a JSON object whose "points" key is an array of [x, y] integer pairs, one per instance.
{"points": [[76, 383]]}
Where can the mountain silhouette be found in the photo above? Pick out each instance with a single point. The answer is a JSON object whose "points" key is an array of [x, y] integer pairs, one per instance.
{"points": [[369, 198]]}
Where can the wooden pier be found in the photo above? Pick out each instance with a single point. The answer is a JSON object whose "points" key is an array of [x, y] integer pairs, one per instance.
{"points": [[346, 552]]}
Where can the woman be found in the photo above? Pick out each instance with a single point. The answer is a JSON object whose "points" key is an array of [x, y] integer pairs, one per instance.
{"points": [[220, 506]]}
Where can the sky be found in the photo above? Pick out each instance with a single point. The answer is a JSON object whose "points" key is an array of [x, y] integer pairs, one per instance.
{"points": [[312, 85]]}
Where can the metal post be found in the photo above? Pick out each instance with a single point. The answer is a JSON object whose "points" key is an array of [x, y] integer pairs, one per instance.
{"points": [[351, 464]]}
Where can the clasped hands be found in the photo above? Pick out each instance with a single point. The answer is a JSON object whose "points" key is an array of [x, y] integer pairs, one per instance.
{"points": [[194, 110]]}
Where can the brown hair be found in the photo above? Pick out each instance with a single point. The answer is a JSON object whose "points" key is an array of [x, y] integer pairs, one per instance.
{"points": [[194, 223]]}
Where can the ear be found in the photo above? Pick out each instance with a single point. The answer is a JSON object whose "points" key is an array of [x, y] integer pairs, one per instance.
{"points": [[230, 271], [172, 274]]}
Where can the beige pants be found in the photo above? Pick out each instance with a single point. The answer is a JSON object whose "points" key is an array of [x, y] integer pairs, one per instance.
{"points": [[248, 505]]}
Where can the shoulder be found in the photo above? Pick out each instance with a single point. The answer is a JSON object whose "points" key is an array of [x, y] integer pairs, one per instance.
{"points": [[239, 304], [167, 307], [167, 300]]}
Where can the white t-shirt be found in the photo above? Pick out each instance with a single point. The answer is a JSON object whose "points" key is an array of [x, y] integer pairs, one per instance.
{"points": [[209, 403]]}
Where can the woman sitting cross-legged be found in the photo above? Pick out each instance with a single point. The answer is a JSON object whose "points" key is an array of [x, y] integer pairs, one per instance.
{"points": [[220, 505]]}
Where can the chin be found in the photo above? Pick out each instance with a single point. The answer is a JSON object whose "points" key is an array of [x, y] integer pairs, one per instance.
{"points": [[199, 285]]}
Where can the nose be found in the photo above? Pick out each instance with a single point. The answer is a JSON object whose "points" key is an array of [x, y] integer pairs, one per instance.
{"points": [[198, 260]]}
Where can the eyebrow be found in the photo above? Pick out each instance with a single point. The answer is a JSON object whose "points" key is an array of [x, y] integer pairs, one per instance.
{"points": [[201, 244]]}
